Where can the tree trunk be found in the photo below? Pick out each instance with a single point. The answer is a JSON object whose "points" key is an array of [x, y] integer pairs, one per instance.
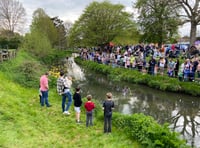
{"points": [[193, 33]]}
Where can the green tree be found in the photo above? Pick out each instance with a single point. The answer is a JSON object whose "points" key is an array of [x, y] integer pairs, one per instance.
{"points": [[99, 24], [158, 20], [37, 44], [42, 36], [10, 40], [42, 23], [61, 42]]}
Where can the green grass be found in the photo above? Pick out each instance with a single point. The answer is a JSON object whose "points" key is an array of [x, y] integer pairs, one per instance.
{"points": [[25, 124]]}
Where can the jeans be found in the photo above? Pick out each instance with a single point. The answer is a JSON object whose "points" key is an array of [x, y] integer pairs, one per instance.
{"points": [[89, 118], [64, 96], [44, 98], [107, 123]]}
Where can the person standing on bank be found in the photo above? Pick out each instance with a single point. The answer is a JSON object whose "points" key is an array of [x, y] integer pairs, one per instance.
{"points": [[63, 88], [77, 104], [108, 106], [44, 88], [89, 106]]}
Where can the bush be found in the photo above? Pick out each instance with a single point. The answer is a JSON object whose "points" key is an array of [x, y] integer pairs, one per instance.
{"points": [[147, 131], [27, 73]]}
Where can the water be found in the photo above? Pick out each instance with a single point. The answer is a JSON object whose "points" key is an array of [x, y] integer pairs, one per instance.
{"points": [[180, 111]]}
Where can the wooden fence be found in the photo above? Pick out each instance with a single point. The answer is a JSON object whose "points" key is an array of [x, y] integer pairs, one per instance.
{"points": [[6, 54]]}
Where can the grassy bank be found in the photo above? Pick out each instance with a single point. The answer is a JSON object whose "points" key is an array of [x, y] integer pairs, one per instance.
{"points": [[25, 124]]}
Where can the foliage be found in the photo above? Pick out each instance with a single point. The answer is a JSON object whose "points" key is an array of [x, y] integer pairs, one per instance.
{"points": [[37, 44], [158, 20], [100, 23], [24, 69], [43, 24], [61, 41], [163, 83], [28, 73], [147, 131], [9, 40]]}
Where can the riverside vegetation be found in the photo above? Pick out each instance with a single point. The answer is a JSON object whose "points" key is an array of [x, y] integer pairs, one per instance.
{"points": [[163, 83], [25, 124]]}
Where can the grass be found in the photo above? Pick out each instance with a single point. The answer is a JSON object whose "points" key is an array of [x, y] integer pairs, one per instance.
{"points": [[25, 124]]}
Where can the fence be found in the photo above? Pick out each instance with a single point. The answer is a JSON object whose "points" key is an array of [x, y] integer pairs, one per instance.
{"points": [[6, 54]]}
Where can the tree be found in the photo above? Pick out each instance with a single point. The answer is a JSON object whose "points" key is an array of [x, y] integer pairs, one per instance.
{"points": [[158, 20], [42, 36], [12, 15], [192, 15], [43, 24], [61, 31], [99, 24]]}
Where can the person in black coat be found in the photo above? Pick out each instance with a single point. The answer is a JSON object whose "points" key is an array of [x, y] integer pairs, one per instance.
{"points": [[77, 104]]}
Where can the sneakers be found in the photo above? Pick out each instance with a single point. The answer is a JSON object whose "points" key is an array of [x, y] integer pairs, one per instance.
{"points": [[78, 122], [66, 113]]}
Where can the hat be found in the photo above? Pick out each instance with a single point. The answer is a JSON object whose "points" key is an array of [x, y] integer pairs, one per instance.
{"points": [[109, 95]]}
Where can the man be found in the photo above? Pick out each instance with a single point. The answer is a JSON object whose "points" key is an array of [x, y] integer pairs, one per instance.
{"points": [[63, 88], [44, 87]]}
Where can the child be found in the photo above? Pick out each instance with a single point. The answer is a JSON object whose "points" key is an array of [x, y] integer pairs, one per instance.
{"points": [[108, 106], [77, 104], [89, 106], [40, 94]]}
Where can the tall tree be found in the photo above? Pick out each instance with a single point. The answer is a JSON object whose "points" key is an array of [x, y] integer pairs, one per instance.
{"points": [[42, 36], [158, 19], [12, 15], [99, 24], [61, 40], [191, 15], [43, 24]]}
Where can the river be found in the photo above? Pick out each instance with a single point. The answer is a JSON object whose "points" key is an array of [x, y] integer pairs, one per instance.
{"points": [[180, 111]]}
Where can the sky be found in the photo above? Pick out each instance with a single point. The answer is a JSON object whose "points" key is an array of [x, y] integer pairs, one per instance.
{"points": [[70, 10]]}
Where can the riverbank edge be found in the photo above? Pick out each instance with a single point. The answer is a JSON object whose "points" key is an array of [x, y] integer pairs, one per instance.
{"points": [[163, 83]]}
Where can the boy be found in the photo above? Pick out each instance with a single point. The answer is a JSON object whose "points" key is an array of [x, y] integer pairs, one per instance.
{"points": [[108, 106], [77, 104], [89, 106]]}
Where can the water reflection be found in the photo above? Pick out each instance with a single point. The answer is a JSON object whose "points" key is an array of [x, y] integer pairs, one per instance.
{"points": [[180, 111]]}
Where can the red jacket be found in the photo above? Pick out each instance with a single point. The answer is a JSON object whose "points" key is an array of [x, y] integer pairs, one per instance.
{"points": [[89, 106]]}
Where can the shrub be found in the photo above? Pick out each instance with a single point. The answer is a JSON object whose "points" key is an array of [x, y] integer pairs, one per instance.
{"points": [[147, 131], [27, 73]]}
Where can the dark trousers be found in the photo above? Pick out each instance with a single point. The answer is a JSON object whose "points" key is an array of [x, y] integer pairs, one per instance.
{"points": [[89, 118], [107, 123], [44, 98]]}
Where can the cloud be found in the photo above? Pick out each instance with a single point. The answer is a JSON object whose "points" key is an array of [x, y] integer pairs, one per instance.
{"points": [[70, 10]]}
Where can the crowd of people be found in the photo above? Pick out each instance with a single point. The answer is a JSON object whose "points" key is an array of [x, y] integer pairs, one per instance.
{"points": [[147, 59], [64, 84]]}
